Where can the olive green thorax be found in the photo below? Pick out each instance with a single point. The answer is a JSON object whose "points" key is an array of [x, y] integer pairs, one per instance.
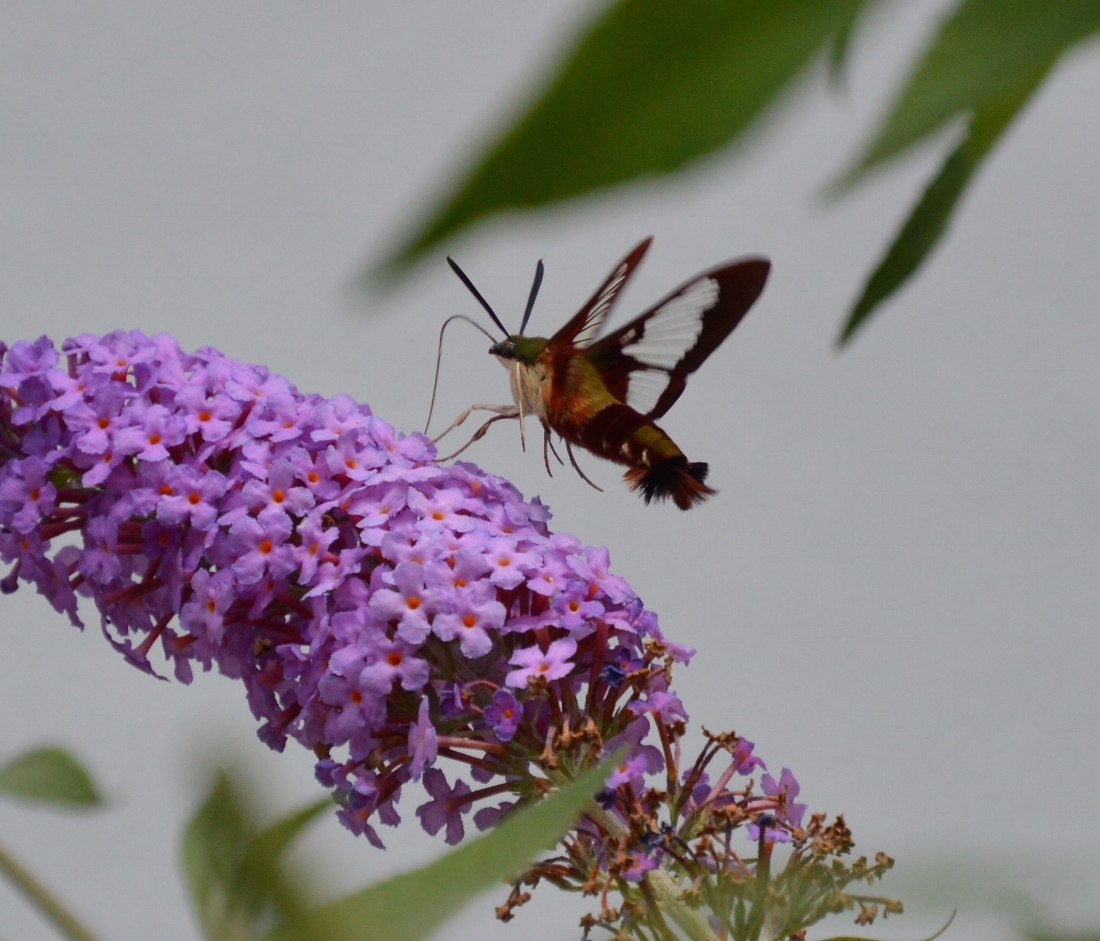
{"points": [[518, 347]]}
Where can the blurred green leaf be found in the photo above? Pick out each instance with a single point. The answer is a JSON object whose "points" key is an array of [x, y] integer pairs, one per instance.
{"points": [[840, 45], [236, 872], [412, 905], [213, 845], [649, 87], [42, 898], [930, 217], [262, 875], [984, 55], [984, 65], [49, 775]]}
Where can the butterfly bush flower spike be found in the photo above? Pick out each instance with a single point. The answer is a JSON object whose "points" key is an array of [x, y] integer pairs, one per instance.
{"points": [[411, 624]]}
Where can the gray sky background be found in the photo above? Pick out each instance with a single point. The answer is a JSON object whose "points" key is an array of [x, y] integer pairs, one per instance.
{"points": [[895, 593]]}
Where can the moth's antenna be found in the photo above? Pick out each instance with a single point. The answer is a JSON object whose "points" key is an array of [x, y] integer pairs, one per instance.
{"points": [[439, 358], [531, 297], [481, 300]]}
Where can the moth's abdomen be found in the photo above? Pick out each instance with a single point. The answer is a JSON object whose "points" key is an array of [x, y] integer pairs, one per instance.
{"points": [[657, 466]]}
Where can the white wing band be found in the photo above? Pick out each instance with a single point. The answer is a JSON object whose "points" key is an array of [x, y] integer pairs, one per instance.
{"points": [[596, 315], [674, 327]]}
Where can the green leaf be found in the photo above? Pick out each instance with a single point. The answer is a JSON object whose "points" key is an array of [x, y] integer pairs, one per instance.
{"points": [[840, 46], [213, 844], [984, 65], [236, 873], [412, 905], [262, 876], [929, 218], [981, 58], [651, 86], [49, 775]]}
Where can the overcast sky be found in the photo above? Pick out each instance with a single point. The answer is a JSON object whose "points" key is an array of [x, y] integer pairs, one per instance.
{"points": [[896, 591]]}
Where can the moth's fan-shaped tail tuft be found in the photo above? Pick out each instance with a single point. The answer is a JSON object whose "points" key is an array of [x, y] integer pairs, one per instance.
{"points": [[673, 478]]}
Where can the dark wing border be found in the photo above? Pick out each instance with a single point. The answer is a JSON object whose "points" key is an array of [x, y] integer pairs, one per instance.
{"points": [[585, 325], [740, 283]]}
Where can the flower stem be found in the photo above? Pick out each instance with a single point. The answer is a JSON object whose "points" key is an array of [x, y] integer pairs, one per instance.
{"points": [[42, 899], [666, 893]]}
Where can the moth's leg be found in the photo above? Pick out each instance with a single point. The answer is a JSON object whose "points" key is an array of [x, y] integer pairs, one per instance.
{"points": [[576, 467], [553, 450], [480, 433], [546, 445], [507, 410]]}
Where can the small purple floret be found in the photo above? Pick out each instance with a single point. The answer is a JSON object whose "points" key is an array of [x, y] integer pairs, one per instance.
{"points": [[551, 664], [503, 715], [447, 808]]}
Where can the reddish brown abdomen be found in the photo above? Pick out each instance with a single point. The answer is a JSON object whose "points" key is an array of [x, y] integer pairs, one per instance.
{"points": [[657, 466]]}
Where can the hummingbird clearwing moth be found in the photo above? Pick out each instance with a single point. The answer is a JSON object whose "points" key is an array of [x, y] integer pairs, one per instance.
{"points": [[605, 394]]}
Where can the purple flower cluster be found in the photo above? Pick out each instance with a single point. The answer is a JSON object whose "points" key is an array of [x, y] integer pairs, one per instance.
{"points": [[380, 608], [388, 612]]}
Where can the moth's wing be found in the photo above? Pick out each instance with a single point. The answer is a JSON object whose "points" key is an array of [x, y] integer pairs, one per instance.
{"points": [[585, 325], [646, 363]]}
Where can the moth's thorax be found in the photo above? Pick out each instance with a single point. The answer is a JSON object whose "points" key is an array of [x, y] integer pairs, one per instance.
{"points": [[527, 374], [530, 388]]}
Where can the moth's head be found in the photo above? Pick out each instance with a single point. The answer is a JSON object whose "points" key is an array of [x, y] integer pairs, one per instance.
{"points": [[518, 348]]}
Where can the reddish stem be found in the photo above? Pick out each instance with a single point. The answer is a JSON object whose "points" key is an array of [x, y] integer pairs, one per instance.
{"points": [[147, 644], [133, 592], [505, 788], [492, 748], [71, 495], [670, 766], [598, 650], [53, 530], [293, 604]]}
